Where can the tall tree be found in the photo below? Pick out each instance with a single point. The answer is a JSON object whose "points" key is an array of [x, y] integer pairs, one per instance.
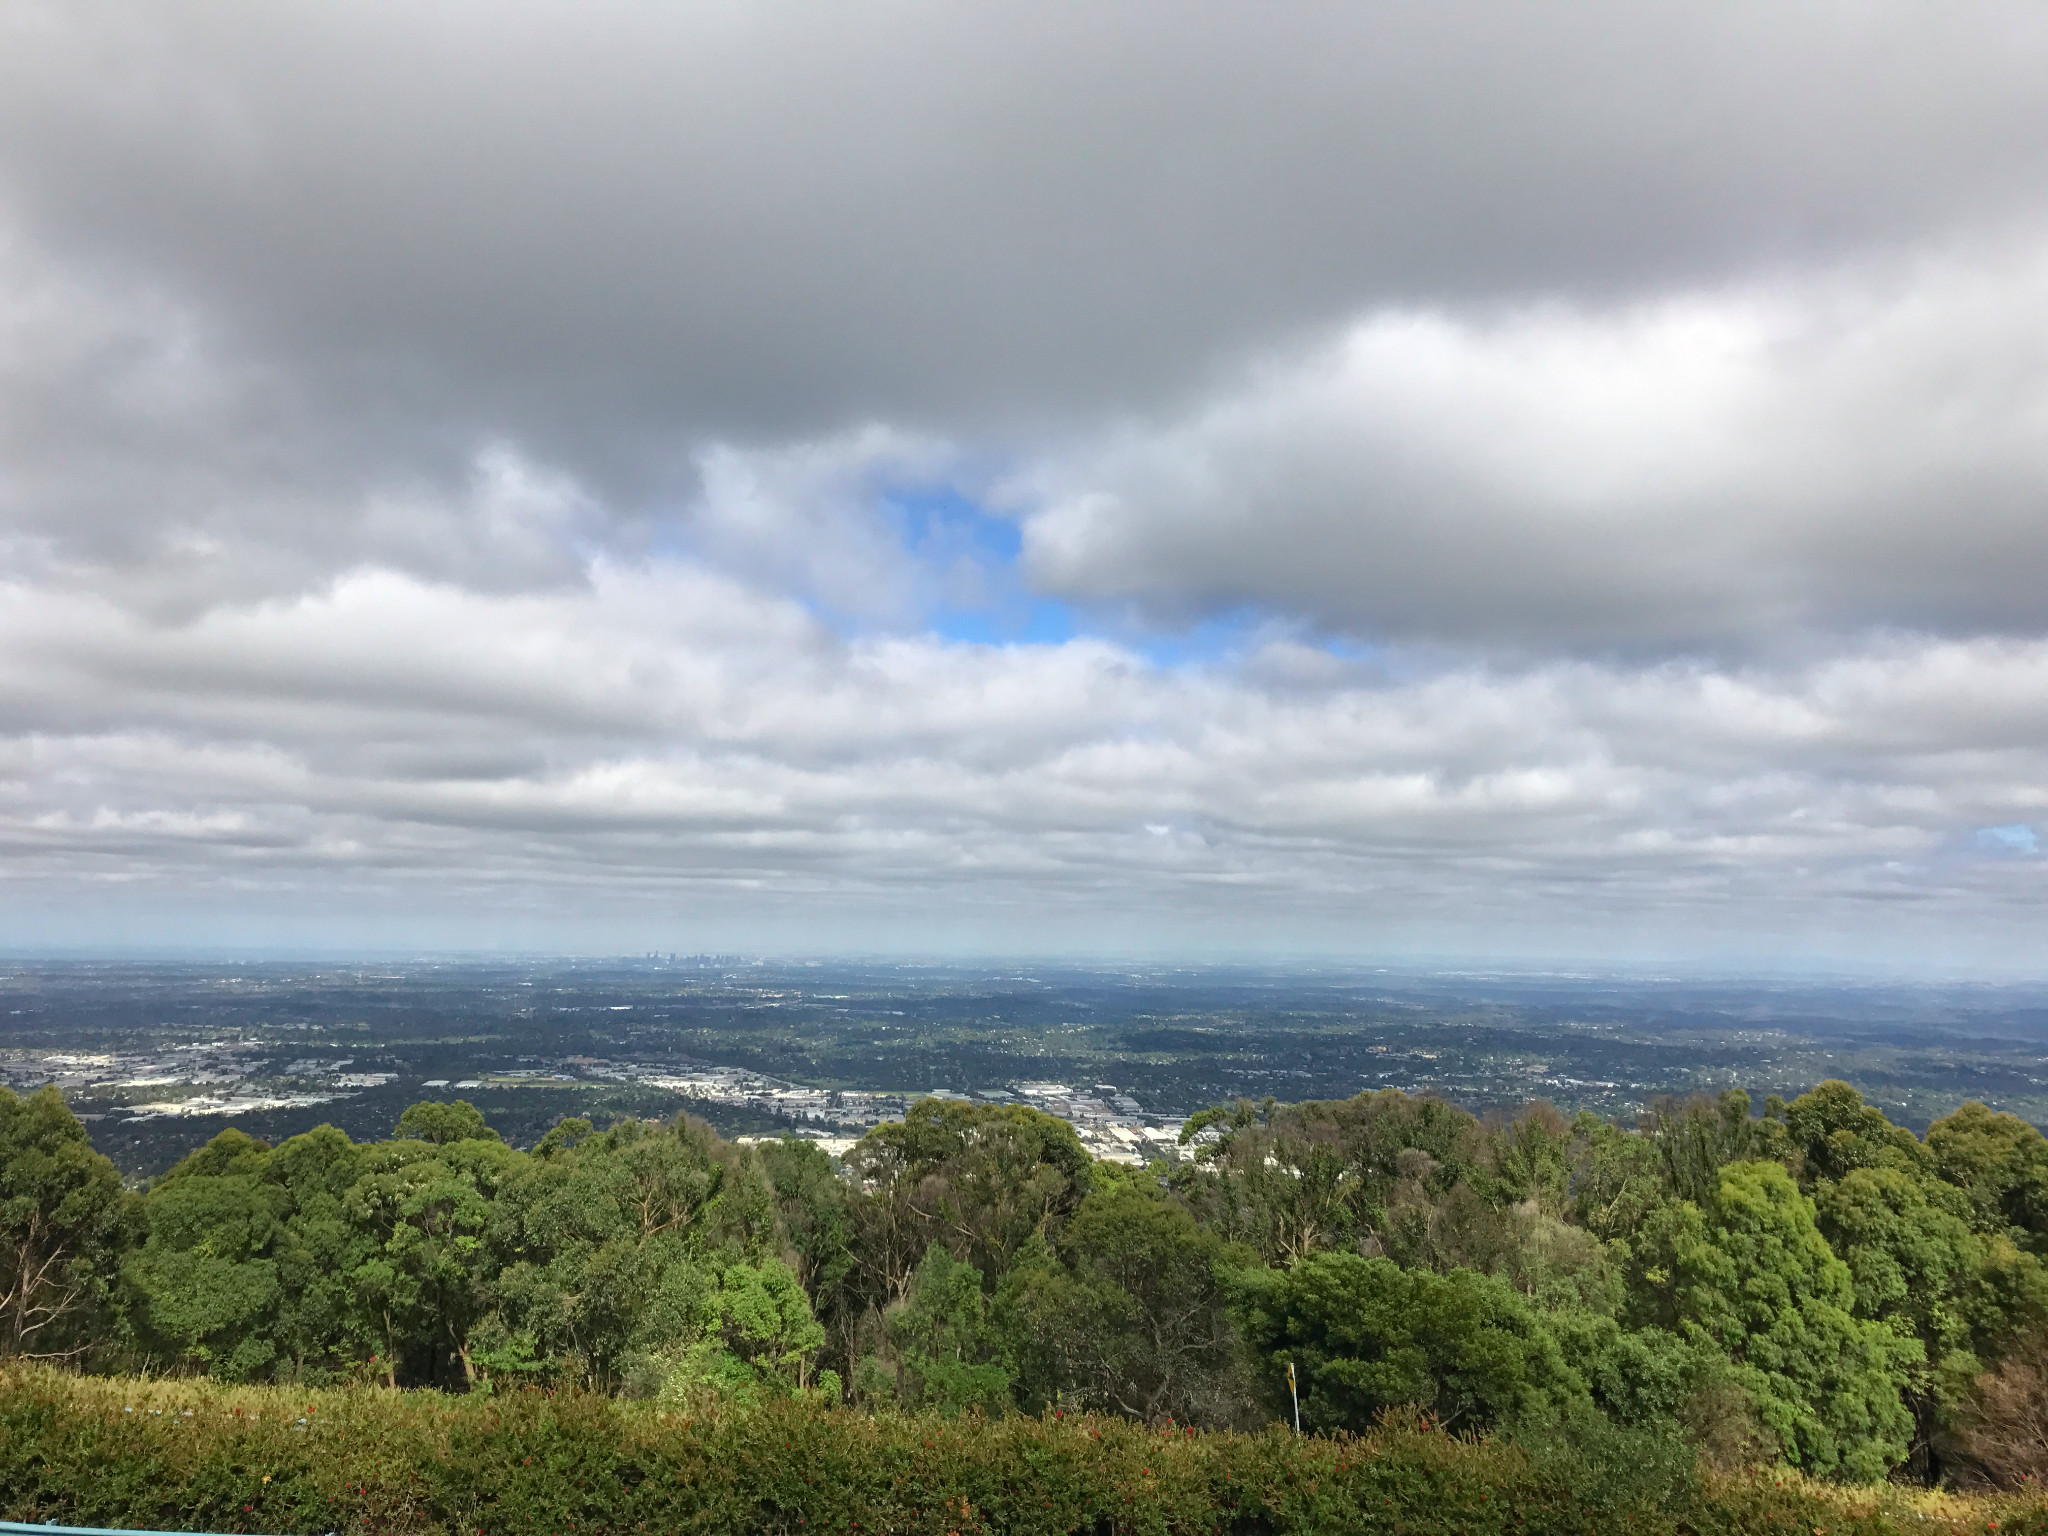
{"points": [[945, 1354], [1750, 1271], [2001, 1163], [426, 1278], [980, 1179], [246, 1268], [64, 1221], [1132, 1311], [208, 1284], [588, 1232], [1832, 1132], [1365, 1335]]}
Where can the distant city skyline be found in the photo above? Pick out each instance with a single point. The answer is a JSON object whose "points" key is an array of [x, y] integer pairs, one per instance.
{"points": [[1307, 483]]}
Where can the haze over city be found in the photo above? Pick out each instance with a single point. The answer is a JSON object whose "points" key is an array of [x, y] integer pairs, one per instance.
{"points": [[1401, 482]]}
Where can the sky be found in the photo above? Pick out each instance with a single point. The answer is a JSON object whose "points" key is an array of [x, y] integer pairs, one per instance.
{"points": [[1194, 481]]}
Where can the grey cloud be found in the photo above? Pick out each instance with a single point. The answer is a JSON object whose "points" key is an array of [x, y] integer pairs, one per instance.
{"points": [[809, 518], [603, 228], [430, 437], [141, 454], [291, 291], [1860, 447], [764, 759]]}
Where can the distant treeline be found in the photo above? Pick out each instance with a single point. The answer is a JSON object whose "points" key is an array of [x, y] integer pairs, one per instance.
{"points": [[1816, 1286]]}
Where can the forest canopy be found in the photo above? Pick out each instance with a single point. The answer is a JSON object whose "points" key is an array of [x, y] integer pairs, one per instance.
{"points": [[1812, 1285]]}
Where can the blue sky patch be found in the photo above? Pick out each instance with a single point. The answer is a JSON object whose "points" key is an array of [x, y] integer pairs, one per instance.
{"points": [[2017, 837]]}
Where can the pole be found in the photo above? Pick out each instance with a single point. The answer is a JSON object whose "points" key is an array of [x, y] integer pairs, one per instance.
{"points": [[1291, 1392]]}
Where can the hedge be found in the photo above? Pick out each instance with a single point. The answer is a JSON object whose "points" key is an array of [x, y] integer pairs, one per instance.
{"points": [[187, 1455]]}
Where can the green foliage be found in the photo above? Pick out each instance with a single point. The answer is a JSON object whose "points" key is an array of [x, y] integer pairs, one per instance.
{"points": [[1529, 1159], [1833, 1132], [1817, 1285], [1366, 1336], [210, 1285], [1639, 1378], [949, 1356], [981, 1179], [63, 1223], [1911, 1255], [2001, 1164], [439, 1123], [2008, 1297], [530, 1462], [1751, 1272], [601, 1243], [1393, 1172], [1131, 1312], [246, 1269], [1618, 1178], [1695, 1139], [424, 1276], [742, 1330]]}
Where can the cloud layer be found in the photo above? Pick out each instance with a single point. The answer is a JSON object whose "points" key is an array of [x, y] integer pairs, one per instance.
{"points": [[1849, 449], [1317, 480], [670, 750]]}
